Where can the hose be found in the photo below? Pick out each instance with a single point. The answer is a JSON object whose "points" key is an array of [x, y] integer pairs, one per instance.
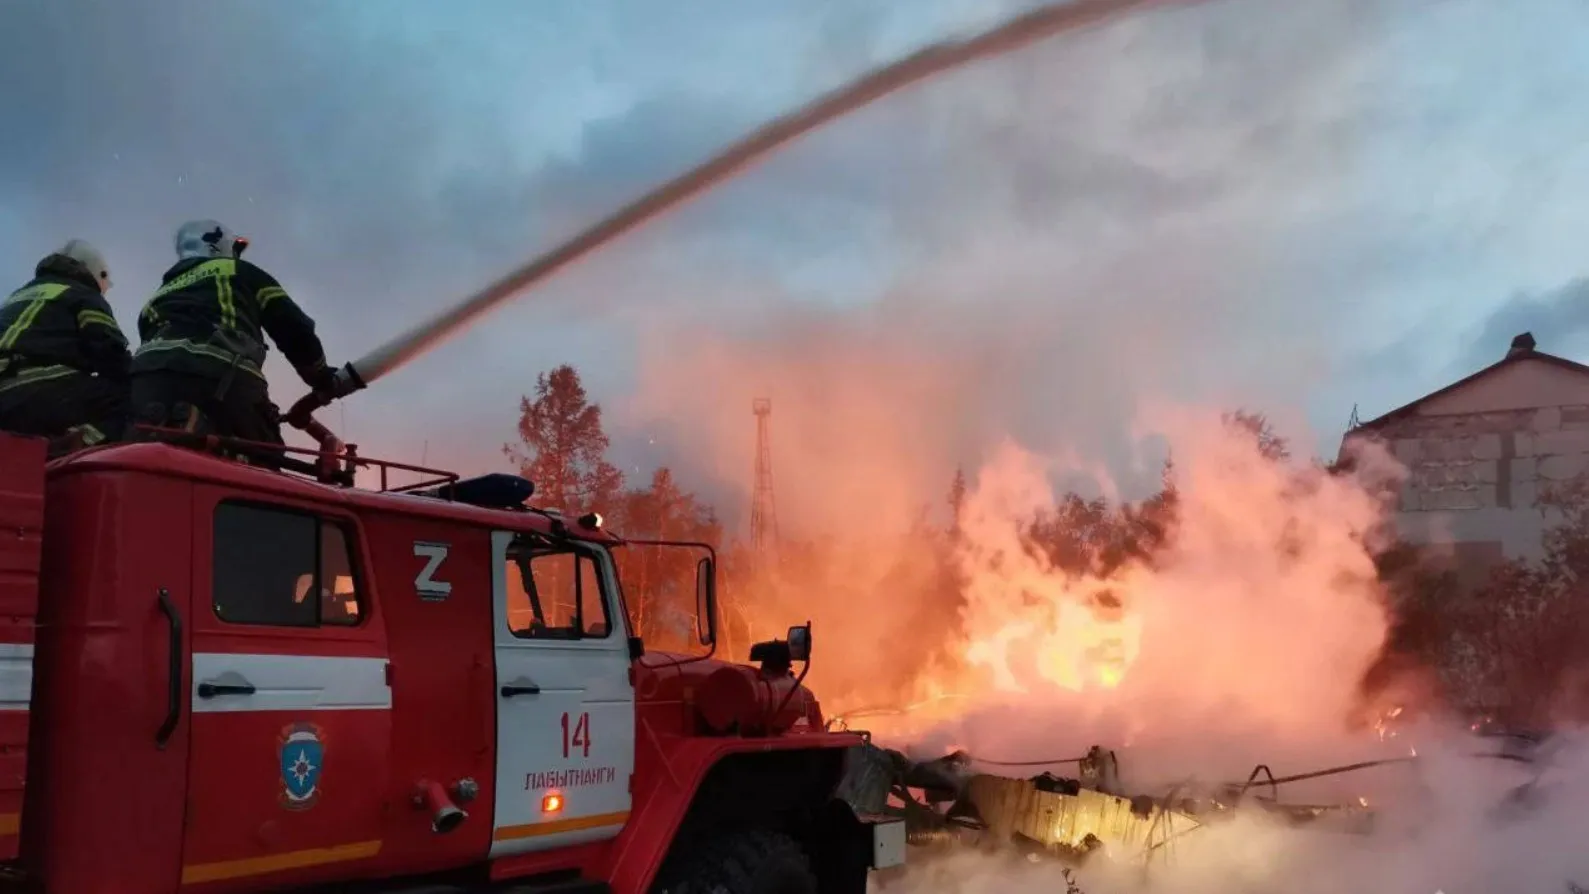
{"points": [[987, 762]]}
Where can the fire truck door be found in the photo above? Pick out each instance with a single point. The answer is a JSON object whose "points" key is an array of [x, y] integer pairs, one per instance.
{"points": [[291, 709], [565, 705]]}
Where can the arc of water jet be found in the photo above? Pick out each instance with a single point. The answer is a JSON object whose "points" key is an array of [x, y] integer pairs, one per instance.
{"points": [[926, 63]]}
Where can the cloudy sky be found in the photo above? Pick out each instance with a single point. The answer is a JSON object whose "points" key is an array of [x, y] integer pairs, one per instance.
{"points": [[1300, 206]]}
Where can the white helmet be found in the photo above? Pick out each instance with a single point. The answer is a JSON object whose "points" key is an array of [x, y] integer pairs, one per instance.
{"points": [[208, 239], [81, 251]]}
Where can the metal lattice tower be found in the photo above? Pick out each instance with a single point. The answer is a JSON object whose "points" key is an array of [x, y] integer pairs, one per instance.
{"points": [[763, 507]]}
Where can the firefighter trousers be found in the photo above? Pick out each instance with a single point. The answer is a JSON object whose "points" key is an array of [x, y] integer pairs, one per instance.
{"points": [[92, 407], [240, 408]]}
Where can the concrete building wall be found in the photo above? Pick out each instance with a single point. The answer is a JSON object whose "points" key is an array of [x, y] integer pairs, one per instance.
{"points": [[1479, 457]]}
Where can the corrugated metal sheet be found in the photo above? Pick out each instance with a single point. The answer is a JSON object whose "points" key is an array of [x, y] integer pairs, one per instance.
{"points": [[1016, 807]]}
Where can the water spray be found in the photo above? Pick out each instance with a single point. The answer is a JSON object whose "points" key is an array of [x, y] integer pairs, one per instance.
{"points": [[929, 62]]}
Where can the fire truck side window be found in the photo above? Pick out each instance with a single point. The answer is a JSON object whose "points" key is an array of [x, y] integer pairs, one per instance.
{"points": [[282, 568], [555, 594], [339, 600]]}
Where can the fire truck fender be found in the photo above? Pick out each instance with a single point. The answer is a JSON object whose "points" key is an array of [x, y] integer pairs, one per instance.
{"points": [[687, 787]]}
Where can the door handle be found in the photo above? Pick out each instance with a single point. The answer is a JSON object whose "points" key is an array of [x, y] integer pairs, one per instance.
{"points": [[174, 697], [520, 686], [235, 686]]}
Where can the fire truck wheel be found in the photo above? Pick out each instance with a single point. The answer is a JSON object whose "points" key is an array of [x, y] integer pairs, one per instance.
{"points": [[754, 861]]}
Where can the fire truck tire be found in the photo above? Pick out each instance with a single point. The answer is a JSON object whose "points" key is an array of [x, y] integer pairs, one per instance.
{"points": [[753, 861]]}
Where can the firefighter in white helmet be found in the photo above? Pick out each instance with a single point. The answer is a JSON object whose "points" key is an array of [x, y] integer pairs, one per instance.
{"points": [[63, 359], [200, 364]]}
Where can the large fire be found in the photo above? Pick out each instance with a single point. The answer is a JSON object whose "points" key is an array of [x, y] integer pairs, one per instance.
{"points": [[1076, 643], [1261, 604], [1023, 618]]}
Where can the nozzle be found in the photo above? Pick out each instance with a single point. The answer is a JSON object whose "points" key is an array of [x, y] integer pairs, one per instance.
{"points": [[432, 798], [349, 380]]}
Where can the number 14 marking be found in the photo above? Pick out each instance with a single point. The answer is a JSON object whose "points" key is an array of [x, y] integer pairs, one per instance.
{"points": [[578, 736]]}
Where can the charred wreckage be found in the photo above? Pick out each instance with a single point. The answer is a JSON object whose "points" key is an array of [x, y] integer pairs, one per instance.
{"points": [[947, 805]]}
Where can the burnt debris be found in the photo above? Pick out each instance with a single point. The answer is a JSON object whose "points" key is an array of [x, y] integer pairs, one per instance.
{"points": [[946, 803]]}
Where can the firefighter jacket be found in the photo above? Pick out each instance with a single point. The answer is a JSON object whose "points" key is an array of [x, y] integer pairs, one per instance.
{"points": [[59, 325], [210, 316]]}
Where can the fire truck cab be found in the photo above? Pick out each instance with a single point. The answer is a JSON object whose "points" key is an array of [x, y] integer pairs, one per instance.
{"points": [[220, 678]]}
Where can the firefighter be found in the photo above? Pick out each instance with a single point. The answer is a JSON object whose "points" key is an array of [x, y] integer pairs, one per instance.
{"points": [[63, 358], [201, 364]]}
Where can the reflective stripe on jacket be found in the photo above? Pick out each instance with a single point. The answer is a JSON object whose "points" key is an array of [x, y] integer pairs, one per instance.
{"points": [[211, 314]]}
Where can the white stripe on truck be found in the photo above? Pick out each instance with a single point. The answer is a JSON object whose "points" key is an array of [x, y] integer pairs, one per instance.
{"points": [[16, 676], [291, 683]]}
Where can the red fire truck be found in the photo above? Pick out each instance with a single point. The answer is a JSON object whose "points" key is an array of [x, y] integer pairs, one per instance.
{"points": [[223, 678]]}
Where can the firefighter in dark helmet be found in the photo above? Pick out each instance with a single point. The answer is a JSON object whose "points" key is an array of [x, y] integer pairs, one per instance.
{"points": [[63, 359], [200, 366]]}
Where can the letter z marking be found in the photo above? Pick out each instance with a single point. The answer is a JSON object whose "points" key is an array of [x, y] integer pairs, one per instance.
{"points": [[425, 583]]}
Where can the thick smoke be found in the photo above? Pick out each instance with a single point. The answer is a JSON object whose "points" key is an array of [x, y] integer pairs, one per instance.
{"points": [[1247, 632]]}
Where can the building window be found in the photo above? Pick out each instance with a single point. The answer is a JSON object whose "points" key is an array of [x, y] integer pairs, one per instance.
{"points": [[282, 568], [555, 593]]}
